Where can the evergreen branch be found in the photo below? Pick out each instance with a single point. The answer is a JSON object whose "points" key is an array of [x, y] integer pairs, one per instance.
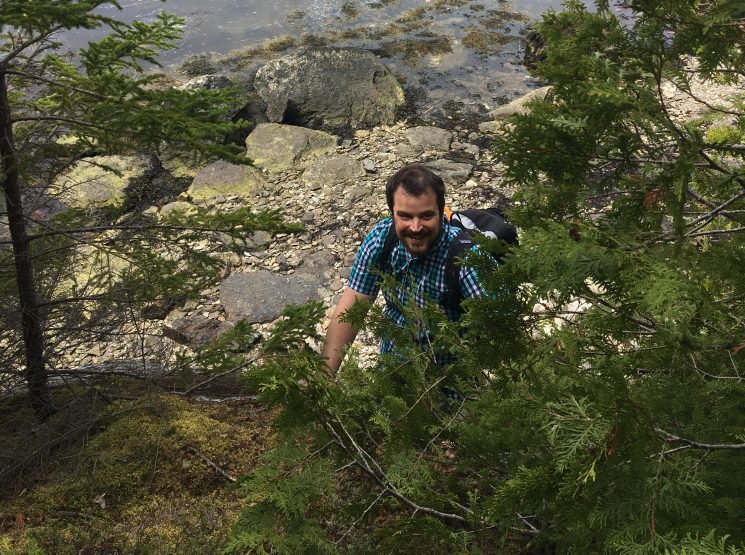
{"points": [[430, 388], [375, 501], [61, 119], [30, 42], [382, 480], [54, 83], [445, 427], [667, 436]]}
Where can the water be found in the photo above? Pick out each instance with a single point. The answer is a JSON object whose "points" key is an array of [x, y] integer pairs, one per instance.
{"points": [[451, 50]]}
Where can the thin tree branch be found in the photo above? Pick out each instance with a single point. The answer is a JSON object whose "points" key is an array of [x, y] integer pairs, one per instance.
{"points": [[369, 508], [697, 444], [54, 83], [209, 462], [218, 376]]}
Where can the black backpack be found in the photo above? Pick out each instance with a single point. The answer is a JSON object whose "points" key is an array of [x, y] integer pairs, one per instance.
{"points": [[487, 221]]}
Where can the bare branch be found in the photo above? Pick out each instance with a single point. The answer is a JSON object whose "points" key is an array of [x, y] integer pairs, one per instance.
{"points": [[375, 501], [220, 375], [697, 444], [209, 462]]}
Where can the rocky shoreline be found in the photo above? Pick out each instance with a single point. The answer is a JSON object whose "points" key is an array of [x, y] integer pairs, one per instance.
{"points": [[334, 186]]}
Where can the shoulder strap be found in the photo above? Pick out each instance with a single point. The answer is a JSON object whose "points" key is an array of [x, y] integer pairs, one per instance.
{"points": [[461, 243], [384, 262]]}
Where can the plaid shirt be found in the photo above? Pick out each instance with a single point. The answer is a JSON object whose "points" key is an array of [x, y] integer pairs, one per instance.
{"points": [[424, 276]]}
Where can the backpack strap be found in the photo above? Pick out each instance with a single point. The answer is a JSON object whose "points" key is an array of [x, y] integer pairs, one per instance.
{"points": [[384, 262], [461, 244]]}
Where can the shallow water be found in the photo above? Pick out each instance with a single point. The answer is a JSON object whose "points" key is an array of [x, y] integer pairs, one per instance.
{"points": [[477, 61]]}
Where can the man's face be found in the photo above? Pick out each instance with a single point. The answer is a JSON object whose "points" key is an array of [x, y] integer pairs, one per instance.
{"points": [[417, 220]]}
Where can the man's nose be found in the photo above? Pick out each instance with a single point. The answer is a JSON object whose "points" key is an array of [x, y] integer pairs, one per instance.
{"points": [[416, 225]]}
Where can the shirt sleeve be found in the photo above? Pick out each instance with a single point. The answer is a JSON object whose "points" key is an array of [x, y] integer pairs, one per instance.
{"points": [[469, 283], [364, 276]]}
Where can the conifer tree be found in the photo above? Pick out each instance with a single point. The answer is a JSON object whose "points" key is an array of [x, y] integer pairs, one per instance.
{"points": [[58, 108], [599, 404]]}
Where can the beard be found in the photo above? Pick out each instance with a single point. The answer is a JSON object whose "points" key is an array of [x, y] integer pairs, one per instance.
{"points": [[417, 243]]}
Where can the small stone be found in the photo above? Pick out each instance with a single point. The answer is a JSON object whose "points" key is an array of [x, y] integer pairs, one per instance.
{"points": [[369, 165]]}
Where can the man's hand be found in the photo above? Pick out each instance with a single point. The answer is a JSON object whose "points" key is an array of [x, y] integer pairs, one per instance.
{"points": [[340, 334]]}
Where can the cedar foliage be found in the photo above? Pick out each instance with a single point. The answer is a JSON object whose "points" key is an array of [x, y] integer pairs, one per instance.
{"points": [[599, 403], [58, 109]]}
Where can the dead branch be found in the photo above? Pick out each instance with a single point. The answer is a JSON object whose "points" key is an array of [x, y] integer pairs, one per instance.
{"points": [[667, 436], [209, 462]]}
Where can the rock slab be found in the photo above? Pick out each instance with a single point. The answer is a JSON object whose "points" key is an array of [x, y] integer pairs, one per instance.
{"points": [[277, 147], [261, 296]]}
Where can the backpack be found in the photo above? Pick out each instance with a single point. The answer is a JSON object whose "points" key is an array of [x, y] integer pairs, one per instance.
{"points": [[487, 221]]}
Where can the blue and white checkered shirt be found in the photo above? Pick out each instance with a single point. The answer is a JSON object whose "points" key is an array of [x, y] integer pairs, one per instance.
{"points": [[424, 276]]}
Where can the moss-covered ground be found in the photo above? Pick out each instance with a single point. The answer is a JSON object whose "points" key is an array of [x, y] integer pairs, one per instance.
{"points": [[156, 474]]}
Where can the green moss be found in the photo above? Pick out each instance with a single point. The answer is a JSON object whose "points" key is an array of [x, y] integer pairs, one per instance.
{"points": [[725, 134], [484, 42], [279, 44], [139, 486], [413, 15], [414, 49]]}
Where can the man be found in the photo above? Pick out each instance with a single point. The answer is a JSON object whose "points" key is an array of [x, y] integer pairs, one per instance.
{"points": [[416, 198]]}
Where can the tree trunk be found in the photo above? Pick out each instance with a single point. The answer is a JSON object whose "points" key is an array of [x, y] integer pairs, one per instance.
{"points": [[33, 339]]}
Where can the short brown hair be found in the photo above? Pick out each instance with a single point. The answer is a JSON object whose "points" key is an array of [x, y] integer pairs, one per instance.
{"points": [[415, 179]]}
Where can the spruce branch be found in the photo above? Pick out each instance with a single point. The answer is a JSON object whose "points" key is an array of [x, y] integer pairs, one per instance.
{"points": [[370, 466]]}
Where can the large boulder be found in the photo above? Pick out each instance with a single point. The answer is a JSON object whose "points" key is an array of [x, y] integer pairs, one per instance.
{"points": [[261, 296], [333, 171], [277, 147], [225, 179], [99, 181], [329, 88]]}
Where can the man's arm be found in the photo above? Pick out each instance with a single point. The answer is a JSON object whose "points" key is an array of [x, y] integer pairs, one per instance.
{"points": [[340, 334]]}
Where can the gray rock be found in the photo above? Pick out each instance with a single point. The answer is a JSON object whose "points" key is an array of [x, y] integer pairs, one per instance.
{"points": [[223, 178], [491, 127], [261, 296], [520, 105], [329, 87], [317, 265], [175, 206], [451, 172], [332, 171], [210, 82], [369, 165], [425, 137], [278, 147]]}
